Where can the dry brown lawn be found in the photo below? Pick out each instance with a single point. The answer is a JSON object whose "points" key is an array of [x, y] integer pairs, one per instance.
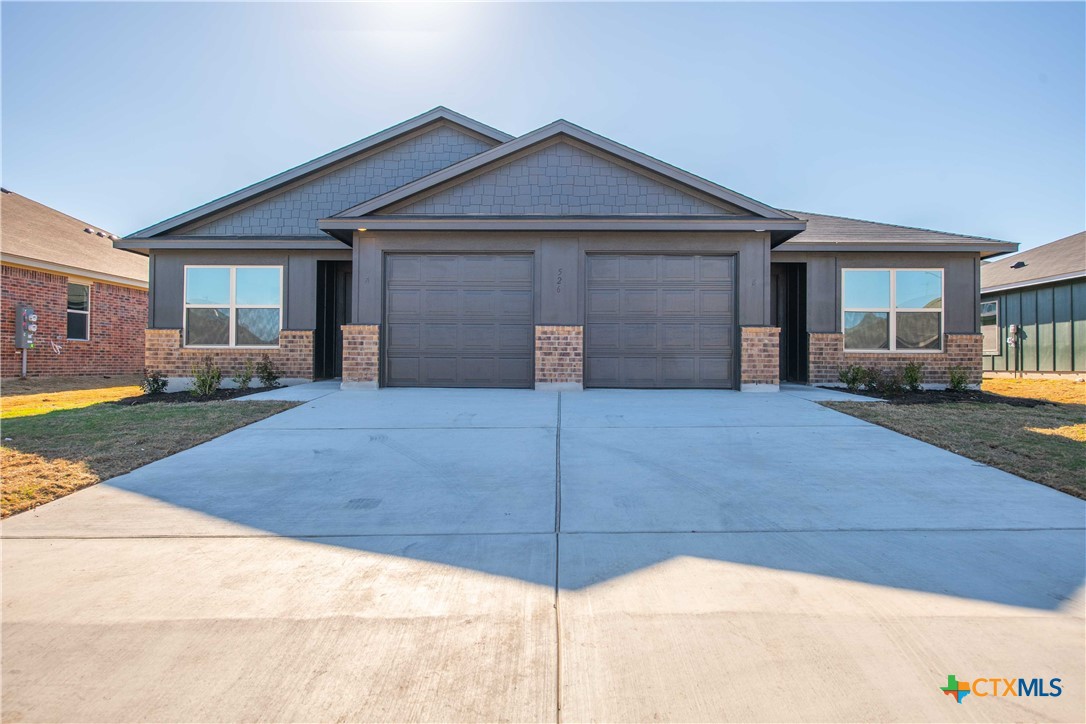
{"points": [[1046, 443], [39, 395], [1066, 391], [47, 456]]}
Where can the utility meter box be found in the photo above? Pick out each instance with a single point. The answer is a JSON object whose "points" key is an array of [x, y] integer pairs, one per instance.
{"points": [[26, 324]]}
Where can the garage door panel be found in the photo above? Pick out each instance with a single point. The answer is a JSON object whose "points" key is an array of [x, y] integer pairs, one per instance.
{"points": [[404, 336], [659, 321], [678, 269], [515, 337], [640, 302], [639, 337], [459, 320], [716, 269], [678, 370], [515, 304], [715, 302], [715, 337], [679, 302], [603, 301], [640, 268], [604, 336], [678, 337]]}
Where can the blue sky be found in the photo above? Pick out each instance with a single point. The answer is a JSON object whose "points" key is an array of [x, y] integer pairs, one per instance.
{"points": [[963, 117]]}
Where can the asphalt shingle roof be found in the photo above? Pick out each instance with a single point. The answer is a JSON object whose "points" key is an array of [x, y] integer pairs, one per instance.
{"points": [[1059, 258], [840, 229], [33, 231]]}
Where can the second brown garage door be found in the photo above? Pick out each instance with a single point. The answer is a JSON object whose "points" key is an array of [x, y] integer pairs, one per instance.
{"points": [[664, 321], [458, 320]]}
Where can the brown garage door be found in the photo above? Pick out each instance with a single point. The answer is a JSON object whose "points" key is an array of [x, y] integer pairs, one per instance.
{"points": [[458, 320], [660, 321]]}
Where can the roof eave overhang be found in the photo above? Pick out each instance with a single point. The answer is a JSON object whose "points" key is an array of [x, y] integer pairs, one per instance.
{"points": [[345, 228], [68, 270], [298, 244], [1033, 282], [984, 248]]}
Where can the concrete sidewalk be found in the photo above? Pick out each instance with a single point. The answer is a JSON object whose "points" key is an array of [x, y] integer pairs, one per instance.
{"points": [[471, 555]]}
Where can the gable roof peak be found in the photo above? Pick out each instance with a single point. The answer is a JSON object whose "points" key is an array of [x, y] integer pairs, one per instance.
{"points": [[434, 115], [542, 134]]}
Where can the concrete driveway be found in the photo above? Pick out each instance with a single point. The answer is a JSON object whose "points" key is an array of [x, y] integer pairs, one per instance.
{"points": [[449, 555]]}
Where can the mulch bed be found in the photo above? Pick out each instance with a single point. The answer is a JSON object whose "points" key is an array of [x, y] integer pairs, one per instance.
{"points": [[929, 397], [186, 396]]}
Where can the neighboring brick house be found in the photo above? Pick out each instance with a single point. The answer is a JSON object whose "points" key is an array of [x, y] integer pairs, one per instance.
{"points": [[442, 252], [90, 298]]}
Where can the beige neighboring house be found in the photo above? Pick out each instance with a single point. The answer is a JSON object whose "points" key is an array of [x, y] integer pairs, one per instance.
{"points": [[90, 298]]}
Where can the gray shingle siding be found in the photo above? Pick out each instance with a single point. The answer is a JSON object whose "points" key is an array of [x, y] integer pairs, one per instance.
{"points": [[562, 180], [295, 212]]}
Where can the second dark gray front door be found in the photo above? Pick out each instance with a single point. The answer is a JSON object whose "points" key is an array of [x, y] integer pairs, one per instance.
{"points": [[659, 320], [459, 320]]}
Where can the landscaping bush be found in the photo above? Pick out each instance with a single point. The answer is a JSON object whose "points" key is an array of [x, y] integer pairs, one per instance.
{"points": [[872, 379], [154, 383], [244, 377], [853, 377], [913, 376], [206, 377], [959, 379], [266, 371]]}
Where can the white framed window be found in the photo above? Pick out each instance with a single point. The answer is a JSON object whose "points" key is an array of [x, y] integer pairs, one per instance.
{"points": [[78, 312], [989, 327], [892, 310], [233, 306]]}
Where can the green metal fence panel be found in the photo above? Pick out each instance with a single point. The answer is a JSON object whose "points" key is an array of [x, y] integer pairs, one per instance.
{"points": [[1061, 328], [1078, 325]]}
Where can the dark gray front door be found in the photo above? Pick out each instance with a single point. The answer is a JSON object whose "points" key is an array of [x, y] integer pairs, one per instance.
{"points": [[656, 320], [458, 320]]}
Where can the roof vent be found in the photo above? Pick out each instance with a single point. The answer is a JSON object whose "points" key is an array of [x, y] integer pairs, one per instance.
{"points": [[100, 233], [1018, 265], [3, 190], [88, 230]]}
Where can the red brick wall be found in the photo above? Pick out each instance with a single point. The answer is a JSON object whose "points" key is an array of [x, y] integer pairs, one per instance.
{"points": [[760, 360], [559, 354], [827, 356], [293, 358], [361, 354], [117, 319]]}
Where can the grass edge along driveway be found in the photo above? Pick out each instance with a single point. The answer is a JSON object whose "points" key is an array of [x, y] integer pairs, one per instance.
{"points": [[1035, 443], [52, 455]]}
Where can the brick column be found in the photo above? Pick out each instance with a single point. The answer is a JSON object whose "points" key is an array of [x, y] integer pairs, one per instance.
{"points": [[361, 356], [760, 360], [559, 357]]}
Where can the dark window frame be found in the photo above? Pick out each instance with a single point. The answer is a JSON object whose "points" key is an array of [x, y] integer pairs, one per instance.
{"points": [[85, 312]]}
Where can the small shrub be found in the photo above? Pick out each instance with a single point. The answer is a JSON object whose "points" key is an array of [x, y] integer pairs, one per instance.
{"points": [[959, 379], [889, 384], [853, 377], [154, 382], [913, 376], [266, 371], [872, 379], [206, 377], [244, 377]]}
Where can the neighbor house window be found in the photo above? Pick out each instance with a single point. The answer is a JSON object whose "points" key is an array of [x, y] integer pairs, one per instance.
{"points": [[893, 309], [989, 327], [233, 306], [78, 311]]}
